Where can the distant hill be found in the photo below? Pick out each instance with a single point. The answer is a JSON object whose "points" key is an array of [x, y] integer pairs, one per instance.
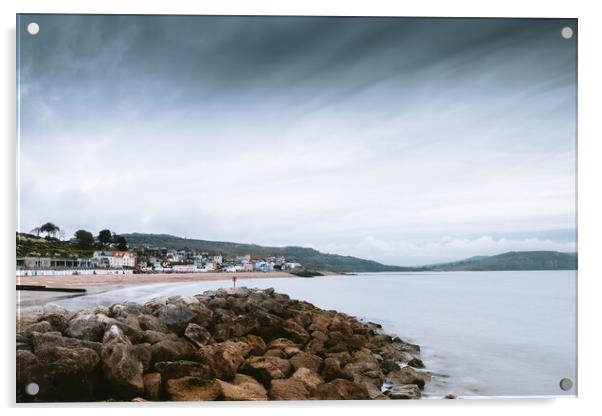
{"points": [[513, 260], [308, 257], [30, 245]]}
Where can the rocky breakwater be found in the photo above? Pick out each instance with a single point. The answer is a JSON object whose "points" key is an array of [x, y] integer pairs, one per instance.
{"points": [[243, 344]]}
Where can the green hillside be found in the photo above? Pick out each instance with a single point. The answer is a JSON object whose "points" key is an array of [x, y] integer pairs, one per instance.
{"points": [[513, 260], [308, 257]]}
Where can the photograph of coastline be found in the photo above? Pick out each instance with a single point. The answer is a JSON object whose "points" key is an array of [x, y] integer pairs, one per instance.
{"points": [[295, 208]]}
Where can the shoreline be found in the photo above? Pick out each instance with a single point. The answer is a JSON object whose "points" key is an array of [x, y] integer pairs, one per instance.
{"points": [[84, 281], [30, 301]]}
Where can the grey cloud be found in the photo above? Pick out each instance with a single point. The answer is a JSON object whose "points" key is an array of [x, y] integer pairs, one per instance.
{"points": [[298, 129]]}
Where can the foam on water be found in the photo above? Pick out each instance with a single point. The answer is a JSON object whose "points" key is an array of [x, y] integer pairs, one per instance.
{"points": [[481, 333]]}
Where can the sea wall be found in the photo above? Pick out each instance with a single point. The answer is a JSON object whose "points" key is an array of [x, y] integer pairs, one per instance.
{"points": [[243, 344], [70, 272]]}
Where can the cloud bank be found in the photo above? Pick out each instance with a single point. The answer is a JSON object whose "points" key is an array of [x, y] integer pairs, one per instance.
{"points": [[406, 141]]}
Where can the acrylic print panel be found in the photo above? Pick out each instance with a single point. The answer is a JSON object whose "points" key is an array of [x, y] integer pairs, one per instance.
{"points": [[273, 208]]}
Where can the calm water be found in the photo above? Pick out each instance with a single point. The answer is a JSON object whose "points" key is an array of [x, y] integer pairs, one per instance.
{"points": [[482, 333]]}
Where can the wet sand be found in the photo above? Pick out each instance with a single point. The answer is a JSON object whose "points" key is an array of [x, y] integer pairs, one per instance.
{"points": [[85, 281], [31, 301]]}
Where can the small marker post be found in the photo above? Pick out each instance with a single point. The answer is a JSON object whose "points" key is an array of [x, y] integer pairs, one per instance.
{"points": [[234, 281]]}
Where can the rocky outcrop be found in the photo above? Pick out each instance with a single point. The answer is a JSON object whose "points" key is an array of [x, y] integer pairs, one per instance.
{"points": [[246, 344]]}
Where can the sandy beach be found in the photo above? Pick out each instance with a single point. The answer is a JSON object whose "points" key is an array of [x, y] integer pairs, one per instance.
{"points": [[104, 282], [85, 281]]}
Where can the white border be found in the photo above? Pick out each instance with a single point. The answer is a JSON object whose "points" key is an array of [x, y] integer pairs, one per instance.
{"points": [[590, 208]]}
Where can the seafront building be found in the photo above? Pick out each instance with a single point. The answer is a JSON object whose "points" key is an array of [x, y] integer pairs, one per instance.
{"points": [[150, 260]]}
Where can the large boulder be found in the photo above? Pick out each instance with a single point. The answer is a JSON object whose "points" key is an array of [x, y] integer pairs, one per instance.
{"points": [[48, 339], [310, 378], [130, 327], [341, 389], [24, 360], [257, 344], [307, 360], [152, 337], [243, 387], [86, 327], [121, 365], [408, 375], [40, 326], [63, 374], [152, 323], [295, 331], [332, 370], [178, 369], [172, 350], [288, 389], [404, 392], [176, 316], [203, 315], [196, 334], [265, 369], [223, 358], [193, 389]]}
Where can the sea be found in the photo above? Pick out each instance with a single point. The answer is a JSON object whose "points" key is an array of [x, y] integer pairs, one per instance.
{"points": [[482, 334]]}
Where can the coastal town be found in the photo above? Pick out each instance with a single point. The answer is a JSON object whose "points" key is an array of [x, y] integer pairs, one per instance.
{"points": [[109, 253]]}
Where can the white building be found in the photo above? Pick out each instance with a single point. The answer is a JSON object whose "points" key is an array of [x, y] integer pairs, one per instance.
{"points": [[123, 258]]}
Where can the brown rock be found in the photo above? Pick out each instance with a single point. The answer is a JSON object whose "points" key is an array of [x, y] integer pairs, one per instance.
{"points": [[40, 326], [290, 351], [62, 374], [408, 375], [343, 358], [85, 327], [224, 358], [178, 369], [196, 334], [332, 370], [265, 369], [121, 365], [25, 359], [243, 388], [192, 389], [319, 335], [315, 346], [289, 389], [57, 321], [152, 323], [152, 337], [152, 386], [203, 315], [307, 360], [257, 344], [310, 378], [171, 350], [404, 392], [176, 316], [49, 339], [416, 363], [341, 389], [275, 352], [281, 343], [295, 331]]}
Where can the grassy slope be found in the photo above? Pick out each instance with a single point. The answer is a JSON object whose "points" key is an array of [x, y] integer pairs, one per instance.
{"points": [[310, 258], [514, 260]]}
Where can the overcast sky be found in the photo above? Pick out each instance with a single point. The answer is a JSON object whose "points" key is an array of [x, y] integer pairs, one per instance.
{"points": [[406, 141]]}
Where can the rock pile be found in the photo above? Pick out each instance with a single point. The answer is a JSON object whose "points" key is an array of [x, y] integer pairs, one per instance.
{"points": [[243, 344]]}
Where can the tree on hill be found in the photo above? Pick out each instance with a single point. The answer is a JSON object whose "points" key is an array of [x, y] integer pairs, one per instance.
{"points": [[50, 229], [122, 243], [105, 237], [84, 239]]}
